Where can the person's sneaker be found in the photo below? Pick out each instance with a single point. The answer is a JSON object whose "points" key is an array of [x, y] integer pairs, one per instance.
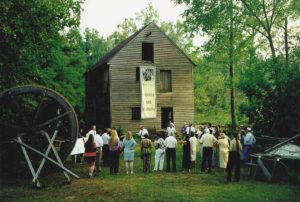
{"points": [[127, 172], [132, 172]]}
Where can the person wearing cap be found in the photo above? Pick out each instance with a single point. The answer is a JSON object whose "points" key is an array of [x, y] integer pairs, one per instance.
{"points": [[249, 141], [170, 143], [208, 141], [234, 158], [143, 131]]}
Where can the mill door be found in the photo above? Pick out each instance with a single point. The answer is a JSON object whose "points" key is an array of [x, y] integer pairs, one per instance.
{"points": [[166, 116]]}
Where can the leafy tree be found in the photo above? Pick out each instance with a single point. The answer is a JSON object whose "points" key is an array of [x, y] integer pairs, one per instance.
{"points": [[148, 15], [222, 21], [267, 17], [30, 36], [94, 46], [178, 34], [125, 29]]}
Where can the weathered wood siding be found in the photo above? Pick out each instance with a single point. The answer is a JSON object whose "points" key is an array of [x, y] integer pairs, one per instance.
{"points": [[125, 90]]}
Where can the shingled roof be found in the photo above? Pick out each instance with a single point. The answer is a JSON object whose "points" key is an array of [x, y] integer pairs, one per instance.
{"points": [[106, 58]]}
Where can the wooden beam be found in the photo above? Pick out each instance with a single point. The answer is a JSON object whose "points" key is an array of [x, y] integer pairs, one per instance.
{"points": [[264, 169]]}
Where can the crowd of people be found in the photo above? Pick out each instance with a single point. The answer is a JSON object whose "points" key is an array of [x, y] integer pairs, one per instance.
{"points": [[216, 149]]}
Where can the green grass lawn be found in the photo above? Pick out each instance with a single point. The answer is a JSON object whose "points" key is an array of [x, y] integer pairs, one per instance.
{"points": [[147, 187]]}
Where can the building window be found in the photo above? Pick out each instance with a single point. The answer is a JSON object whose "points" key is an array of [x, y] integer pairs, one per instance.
{"points": [[135, 113], [147, 52], [137, 74], [165, 81]]}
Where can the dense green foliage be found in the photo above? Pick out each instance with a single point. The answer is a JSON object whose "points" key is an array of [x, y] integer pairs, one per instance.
{"points": [[38, 45], [266, 79]]}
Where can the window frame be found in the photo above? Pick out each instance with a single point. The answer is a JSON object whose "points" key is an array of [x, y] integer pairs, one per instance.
{"points": [[161, 90], [137, 112], [144, 55]]}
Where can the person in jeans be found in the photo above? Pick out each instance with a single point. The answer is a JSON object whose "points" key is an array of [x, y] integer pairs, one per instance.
{"points": [[146, 146], [114, 151], [160, 151], [234, 158], [249, 141], [171, 143], [207, 140]]}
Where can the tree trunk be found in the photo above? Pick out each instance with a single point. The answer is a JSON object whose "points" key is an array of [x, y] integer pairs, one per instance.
{"points": [[231, 73], [270, 39], [286, 45]]}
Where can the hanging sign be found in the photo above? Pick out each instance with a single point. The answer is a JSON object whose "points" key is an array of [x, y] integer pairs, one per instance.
{"points": [[148, 92], [79, 147]]}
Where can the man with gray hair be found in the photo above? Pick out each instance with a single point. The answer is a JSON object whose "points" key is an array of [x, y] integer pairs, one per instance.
{"points": [[171, 128], [170, 143]]}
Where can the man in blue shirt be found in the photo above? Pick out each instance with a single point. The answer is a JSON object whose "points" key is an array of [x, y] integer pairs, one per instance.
{"points": [[249, 141]]}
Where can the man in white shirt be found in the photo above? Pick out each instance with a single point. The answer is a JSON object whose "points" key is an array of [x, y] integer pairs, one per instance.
{"points": [[143, 131], [99, 144], [105, 149], [92, 131], [170, 143], [171, 128], [190, 129], [207, 140]]}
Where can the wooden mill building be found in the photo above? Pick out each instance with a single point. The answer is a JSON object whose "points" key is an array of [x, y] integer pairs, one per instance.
{"points": [[113, 85]]}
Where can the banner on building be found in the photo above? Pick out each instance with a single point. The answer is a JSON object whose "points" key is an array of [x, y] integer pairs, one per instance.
{"points": [[148, 92]]}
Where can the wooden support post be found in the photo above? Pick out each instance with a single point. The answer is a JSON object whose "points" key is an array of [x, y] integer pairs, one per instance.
{"points": [[264, 169], [48, 158]]}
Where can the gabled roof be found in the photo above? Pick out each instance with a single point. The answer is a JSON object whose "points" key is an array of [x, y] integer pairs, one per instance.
{"points": [[174, 44], [106, 58]]}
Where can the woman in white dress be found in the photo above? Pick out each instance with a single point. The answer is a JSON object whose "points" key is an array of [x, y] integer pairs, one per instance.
{"points": [[193, 145], [223, 150]]}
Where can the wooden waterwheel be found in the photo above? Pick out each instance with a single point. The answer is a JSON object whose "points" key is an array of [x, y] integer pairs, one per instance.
{"points": [[35, 121]]}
